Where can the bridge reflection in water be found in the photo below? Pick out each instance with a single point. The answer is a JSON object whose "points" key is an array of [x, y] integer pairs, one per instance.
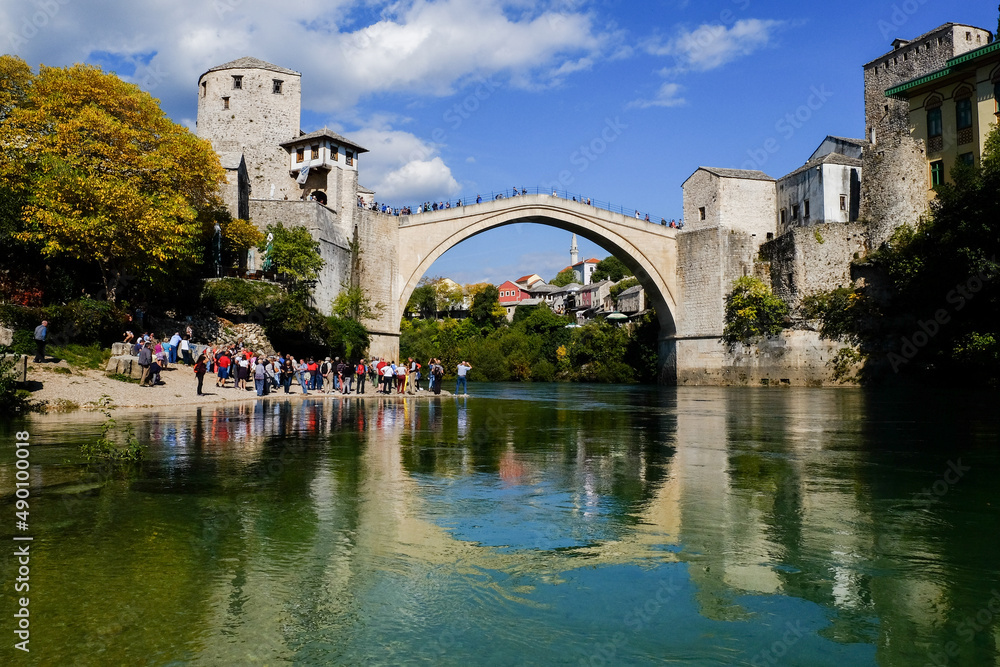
{"points": [[373, 530]]}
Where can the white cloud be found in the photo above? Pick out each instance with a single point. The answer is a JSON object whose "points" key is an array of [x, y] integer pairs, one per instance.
{"points": [[711, 46], [403, 169], [423, 47], [666, 96]]}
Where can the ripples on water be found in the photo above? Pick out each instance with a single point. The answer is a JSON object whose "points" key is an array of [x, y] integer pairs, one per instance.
{"points": [[527, 524]]}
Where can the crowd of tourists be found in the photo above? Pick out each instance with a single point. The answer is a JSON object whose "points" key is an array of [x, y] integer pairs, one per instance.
{"points": [[513, 192], [239, 367]]}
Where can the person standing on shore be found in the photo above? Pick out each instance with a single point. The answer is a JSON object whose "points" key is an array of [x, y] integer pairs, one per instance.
{"points": [[437, 372], [145, 359], [41, 333], [200, 368], [223, 361], [303, 371], [186, 350], [361, 372], [462, 381], [259, 375]]}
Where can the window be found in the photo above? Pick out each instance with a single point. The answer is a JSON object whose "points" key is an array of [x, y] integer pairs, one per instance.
{"points": [[996, 94], [968, 159], [968, 36], [276, 86], [937, 173], [300, 154], [784, 216], [237, 82], [701, 213], [314, 152], [349, 158], [806, 211], [334, 153], [204, 88], [843, 202], [963, 112], [934, 126], [225, 102], [770, 236], [795, 211]]}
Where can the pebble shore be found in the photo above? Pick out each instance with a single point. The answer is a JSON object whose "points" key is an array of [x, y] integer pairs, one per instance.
{"points": [[64, 388]]}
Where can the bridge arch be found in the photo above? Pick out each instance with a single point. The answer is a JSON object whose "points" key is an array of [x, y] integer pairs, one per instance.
{"points": [[649, 250]]}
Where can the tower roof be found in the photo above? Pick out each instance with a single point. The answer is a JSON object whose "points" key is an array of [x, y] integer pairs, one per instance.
{"points": [[248, 62], [325, 133]]}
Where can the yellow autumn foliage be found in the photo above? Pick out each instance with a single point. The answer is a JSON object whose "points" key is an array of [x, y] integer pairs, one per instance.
{"points": [[109, 178]]}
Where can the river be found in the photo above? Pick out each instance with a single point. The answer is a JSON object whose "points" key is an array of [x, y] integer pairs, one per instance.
{"points": [[526, 524]]}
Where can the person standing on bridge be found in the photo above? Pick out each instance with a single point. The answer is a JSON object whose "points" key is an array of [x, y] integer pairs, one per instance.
{"points": [[479, 199]]}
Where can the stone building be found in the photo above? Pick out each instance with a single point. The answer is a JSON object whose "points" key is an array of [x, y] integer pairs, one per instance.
{"points": [[826, 189], [952, 110], [250, 106], [894, 188], [250, 111]]}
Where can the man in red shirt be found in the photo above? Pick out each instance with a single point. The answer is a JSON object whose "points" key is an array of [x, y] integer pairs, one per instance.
{"points": [[222, 361], [313, 368]]}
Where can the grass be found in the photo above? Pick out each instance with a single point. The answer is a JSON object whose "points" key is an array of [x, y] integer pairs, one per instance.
{"points": [[62, 405], [63, 370], [93, 357], [121, 377]]}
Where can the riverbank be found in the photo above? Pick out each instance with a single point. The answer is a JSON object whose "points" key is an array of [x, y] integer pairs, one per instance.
{"points": [[61, 387]]}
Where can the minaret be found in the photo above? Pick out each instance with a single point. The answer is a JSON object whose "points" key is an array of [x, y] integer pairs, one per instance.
{"points": [[574, 255]]}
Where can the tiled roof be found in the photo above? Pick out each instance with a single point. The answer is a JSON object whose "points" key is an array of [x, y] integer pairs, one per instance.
{"points": [[248, 62], [325, 133], [829, 158], [748, 174]]}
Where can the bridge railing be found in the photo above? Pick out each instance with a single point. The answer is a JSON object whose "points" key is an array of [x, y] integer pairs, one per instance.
{"points": [[483, 197]]}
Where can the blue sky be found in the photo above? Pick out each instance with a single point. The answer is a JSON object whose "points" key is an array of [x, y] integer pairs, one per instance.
{"points": [[459, 97]]}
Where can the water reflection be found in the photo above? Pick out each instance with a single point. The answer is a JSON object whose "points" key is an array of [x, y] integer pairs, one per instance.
{"points": [[545, 524]]}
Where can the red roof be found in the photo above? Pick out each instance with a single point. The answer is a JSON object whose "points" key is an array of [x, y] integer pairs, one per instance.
{"points": [[524, 278]]}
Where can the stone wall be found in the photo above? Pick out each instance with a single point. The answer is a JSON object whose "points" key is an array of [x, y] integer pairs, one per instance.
{"points": [[711, 259], [377, 273], [894, 170], [322, 223], [811, 259], [256, 121], [746, 204], [793, 358]]}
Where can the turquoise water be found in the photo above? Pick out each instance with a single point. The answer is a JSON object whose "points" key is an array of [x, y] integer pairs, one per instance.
{"points": [[526, 524]]}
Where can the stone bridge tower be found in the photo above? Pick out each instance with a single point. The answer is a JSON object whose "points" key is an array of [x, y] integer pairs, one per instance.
{"points": [[250, 106]]}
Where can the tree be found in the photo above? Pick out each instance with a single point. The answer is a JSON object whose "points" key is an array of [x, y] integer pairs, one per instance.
{"points": [[610, 268], [15, 79], [448, 294], [752, 311], [564, 277], [486, 310], [107, 178], [354, 303], [423, 301], [294, 252], [240, 235]]}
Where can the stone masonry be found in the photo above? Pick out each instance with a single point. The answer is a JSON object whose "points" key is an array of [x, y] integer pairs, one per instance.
{"points": [[894, 182]]}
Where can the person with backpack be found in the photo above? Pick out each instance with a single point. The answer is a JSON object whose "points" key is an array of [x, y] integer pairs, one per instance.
{"points": [[326, 370], [361, 372], [347, 377], [438, 373]]}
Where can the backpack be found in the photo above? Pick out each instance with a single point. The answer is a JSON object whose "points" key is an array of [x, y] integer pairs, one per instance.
{"points": [[438, 371]]}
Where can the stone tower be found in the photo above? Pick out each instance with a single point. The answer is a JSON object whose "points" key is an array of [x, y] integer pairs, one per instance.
{"points": [[894, 185], [250, 106]]}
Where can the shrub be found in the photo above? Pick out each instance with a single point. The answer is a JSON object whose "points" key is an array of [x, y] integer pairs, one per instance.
{"points": [[12, 400], [238, 298], [752, 311]]}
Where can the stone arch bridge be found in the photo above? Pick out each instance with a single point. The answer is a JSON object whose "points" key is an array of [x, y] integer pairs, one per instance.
{"points": [[396, 252]]}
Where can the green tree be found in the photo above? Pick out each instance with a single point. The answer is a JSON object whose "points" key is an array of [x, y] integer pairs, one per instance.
{"points": [[354, 303], [486, 310], [752, 311], [610, 268], [953, 251], [563, 278], [423, 301], [294, 252], [107, 179]]}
